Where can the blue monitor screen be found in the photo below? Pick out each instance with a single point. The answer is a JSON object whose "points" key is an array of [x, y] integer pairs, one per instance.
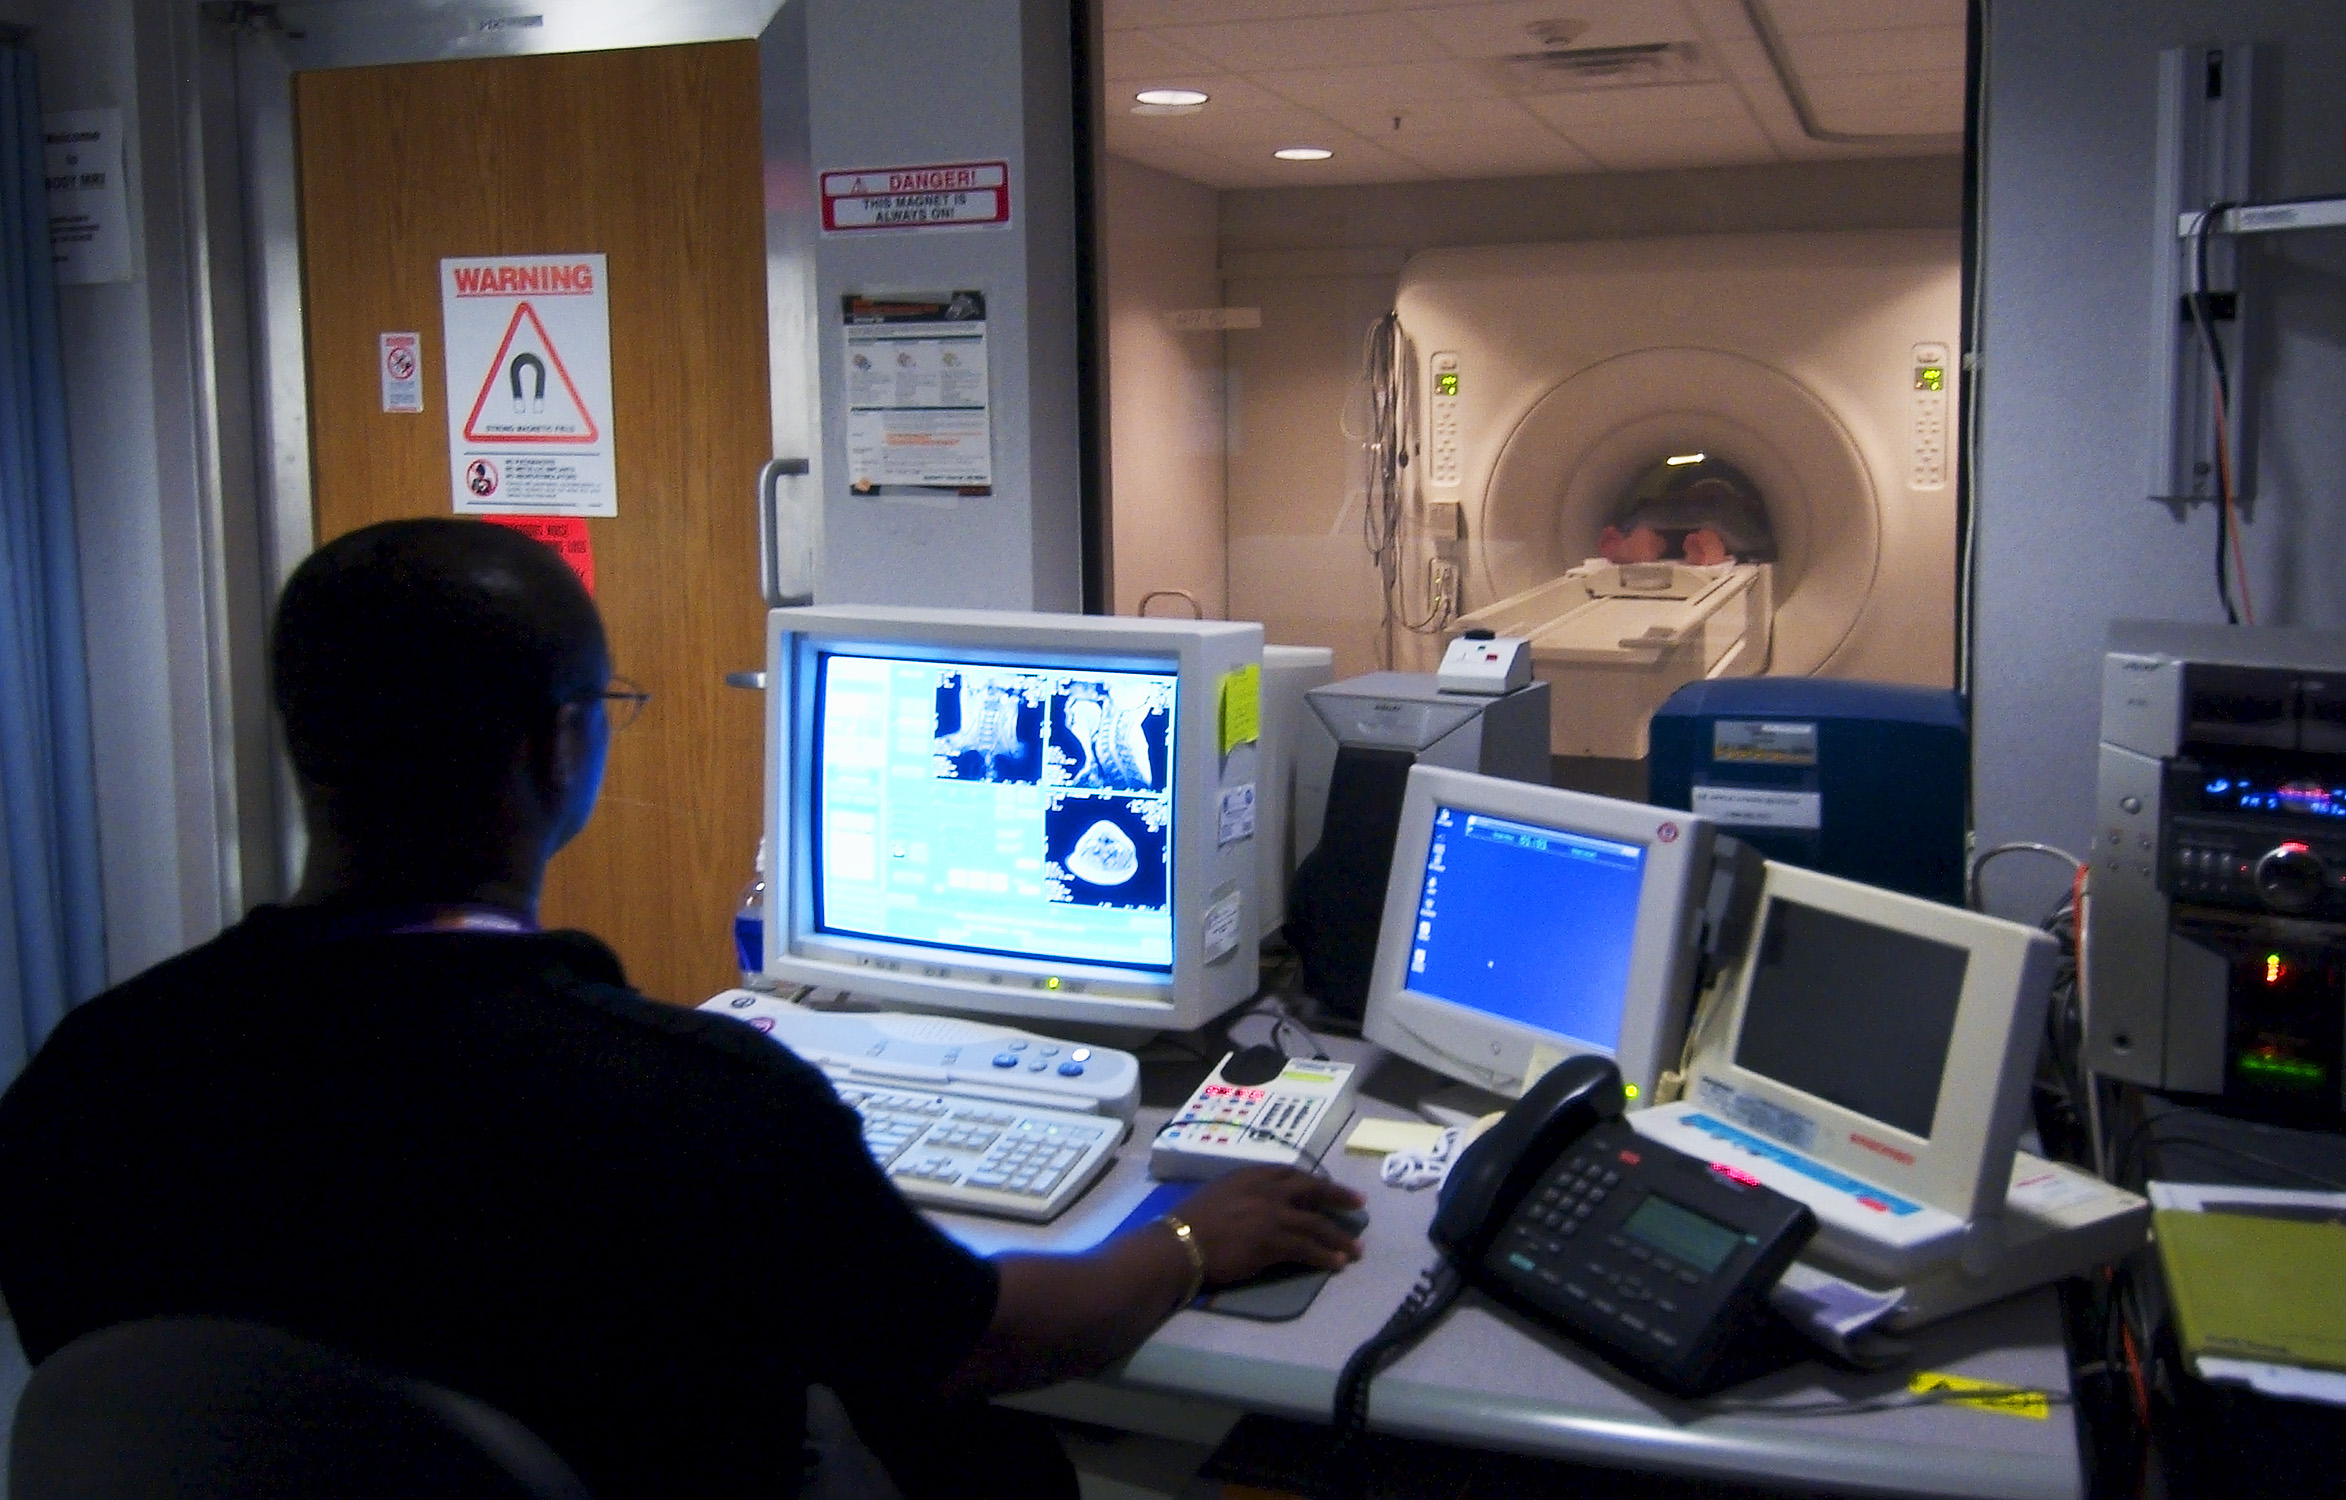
{"points": [[990, 808], [1529, 924]]}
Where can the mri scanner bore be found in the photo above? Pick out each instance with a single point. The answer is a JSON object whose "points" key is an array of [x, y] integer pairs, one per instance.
{"points": [[1696, 457]]}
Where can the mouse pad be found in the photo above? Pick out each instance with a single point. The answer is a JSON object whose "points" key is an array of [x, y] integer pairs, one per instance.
{"points": [[1276, 1295]]}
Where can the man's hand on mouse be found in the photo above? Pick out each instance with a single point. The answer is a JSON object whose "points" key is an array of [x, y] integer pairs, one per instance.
{"points": [[1258, 1217]]}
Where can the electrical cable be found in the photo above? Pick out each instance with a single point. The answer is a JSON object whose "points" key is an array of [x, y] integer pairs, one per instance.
{"points": [[2017, 846], [1388, 379], [2227, 518], [1438, 1287], [2146, 1132]]}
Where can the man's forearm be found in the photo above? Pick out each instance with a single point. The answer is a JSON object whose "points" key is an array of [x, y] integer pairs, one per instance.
{"points": [[1061, 1316]]}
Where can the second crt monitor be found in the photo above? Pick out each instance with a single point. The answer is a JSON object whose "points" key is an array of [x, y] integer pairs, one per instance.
{"points": [[1013, 814], [1871, 1056], [1525, 924]]}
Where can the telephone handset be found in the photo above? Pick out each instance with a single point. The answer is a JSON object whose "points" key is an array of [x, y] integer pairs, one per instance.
{"points": [[1659, 1259], [1562, 1105]]}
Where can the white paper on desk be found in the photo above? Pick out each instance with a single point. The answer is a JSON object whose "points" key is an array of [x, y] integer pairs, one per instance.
{"points": [[2291, 1382], [1829, 1310]]}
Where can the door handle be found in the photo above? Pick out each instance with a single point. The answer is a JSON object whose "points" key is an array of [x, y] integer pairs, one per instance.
{"points": [[769, 531]]}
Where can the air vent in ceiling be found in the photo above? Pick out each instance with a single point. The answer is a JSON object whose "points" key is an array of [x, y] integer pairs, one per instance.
{"points": [[1557, 70]]}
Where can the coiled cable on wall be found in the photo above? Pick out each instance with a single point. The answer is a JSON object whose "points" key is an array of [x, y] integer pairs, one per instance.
{"points": [[1388, 382]]}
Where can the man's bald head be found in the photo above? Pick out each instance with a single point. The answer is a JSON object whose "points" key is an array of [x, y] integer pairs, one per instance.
{"points": [[414, 658]]}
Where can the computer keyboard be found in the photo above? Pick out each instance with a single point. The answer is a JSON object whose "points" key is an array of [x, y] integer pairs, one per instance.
{"points": [[973, 1155]]}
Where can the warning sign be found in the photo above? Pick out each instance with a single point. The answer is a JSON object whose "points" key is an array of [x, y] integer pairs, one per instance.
{"points": [[946, 195], [567, 535], [529, 385]]}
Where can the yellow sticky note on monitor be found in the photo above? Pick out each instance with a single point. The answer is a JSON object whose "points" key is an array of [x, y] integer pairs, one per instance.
{"points": [[1242, 707], [2010, 1401]]}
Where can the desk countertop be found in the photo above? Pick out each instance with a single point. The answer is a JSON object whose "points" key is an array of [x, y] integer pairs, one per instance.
{"points": [[1486, 1378]]}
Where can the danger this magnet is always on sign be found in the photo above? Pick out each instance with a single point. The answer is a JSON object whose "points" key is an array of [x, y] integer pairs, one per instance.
{"points": [[946, 195]]}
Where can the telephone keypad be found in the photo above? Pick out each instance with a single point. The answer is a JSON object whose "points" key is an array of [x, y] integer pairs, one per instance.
{"points": [[1630, 1287]]}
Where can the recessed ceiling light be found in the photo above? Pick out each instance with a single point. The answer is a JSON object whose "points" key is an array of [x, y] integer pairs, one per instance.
{"points": [[1303, 153], [1188, 97]]}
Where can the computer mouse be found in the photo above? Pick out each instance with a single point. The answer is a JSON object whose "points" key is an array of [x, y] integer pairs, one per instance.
{"points": [[1249, 1066], [1351, 1220]]}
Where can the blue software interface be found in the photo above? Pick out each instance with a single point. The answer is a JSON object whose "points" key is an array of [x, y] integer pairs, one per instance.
{"points": [[1527, 923], [992, 808]]}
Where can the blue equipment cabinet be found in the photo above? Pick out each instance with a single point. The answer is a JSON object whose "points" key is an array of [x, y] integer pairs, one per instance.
{"points": [[1866, 780]]}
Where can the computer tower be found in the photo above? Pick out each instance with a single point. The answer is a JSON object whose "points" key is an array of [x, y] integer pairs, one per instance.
{"points": [[1358, 741]]}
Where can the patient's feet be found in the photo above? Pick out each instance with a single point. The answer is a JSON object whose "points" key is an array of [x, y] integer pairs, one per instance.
{"points": [[1643, 544], [1705, 548]]}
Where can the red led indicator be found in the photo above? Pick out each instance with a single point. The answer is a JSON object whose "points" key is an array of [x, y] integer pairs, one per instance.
{"points": [[1735, 1174], [1631, 1157], [2275, 970]]}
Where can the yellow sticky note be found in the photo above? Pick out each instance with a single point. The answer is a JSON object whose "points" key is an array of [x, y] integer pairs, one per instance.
{"points": [[2007, 1400], [1242, 706], [1383, 1137]]}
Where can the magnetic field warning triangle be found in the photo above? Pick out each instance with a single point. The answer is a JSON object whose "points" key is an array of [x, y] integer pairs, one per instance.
{"points": [[514, 406]]}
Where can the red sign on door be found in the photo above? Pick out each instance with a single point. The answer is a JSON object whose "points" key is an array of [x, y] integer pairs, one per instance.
{"points": [[947, 195], [567, 535]]}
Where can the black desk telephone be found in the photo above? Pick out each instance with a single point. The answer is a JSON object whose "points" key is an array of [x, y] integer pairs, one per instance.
{"points": [[1661, 1260], [1657, 1259]]}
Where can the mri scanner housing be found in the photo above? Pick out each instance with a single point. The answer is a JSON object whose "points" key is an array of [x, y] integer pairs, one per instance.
{"points": [[1817, 364]]}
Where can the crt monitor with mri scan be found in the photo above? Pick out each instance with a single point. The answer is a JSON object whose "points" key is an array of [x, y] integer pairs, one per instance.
{"points": [[1526, 924], [1016, 815]]}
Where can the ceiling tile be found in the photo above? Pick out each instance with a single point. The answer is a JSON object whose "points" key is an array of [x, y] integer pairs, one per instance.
{"points": [[1664, 103], [1491, 153], [1126, 15], [1227, 93], [1327, 41], [1657, 144], [1803, 17], [1428, 117], [1141, 56], [1500, 29], [1905, 103], [1192, 166], [1369, 89], [1212, 129], [1912, 49], [1353, 162]]}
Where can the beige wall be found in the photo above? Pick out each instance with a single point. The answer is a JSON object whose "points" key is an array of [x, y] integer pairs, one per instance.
{"points": [[1165, 391], [1322, 263]]}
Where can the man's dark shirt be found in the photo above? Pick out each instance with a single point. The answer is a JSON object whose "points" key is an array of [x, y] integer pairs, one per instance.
{"points": [[478, 1158]]}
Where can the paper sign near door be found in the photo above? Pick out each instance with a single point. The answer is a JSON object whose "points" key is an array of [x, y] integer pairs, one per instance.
{"points": [[528, 343]]}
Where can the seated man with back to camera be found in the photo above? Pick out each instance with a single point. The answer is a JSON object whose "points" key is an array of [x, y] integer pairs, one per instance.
{"points": [[394, 1116]]}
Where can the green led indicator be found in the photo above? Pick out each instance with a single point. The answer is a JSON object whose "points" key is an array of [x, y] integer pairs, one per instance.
{"points": [[1446, 383], [1930, 377], [2295, 1072]]}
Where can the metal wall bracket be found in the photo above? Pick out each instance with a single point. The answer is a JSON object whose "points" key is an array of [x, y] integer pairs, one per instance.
{"points": [[2269, 218], [2204, 159]]}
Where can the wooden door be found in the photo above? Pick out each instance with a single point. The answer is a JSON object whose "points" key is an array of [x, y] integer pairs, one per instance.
{"points": [[652, 158]]}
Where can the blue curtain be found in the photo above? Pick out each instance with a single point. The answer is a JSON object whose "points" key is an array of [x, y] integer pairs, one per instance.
{"points": [[52, 942]]}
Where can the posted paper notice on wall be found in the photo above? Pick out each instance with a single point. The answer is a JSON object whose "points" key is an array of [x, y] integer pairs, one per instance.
{"points": [[89, 208], [528, 343], [917, 394]]}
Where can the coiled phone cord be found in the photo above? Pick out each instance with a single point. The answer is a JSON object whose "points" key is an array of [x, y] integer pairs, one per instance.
{"points": [[1438, 1286]]}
